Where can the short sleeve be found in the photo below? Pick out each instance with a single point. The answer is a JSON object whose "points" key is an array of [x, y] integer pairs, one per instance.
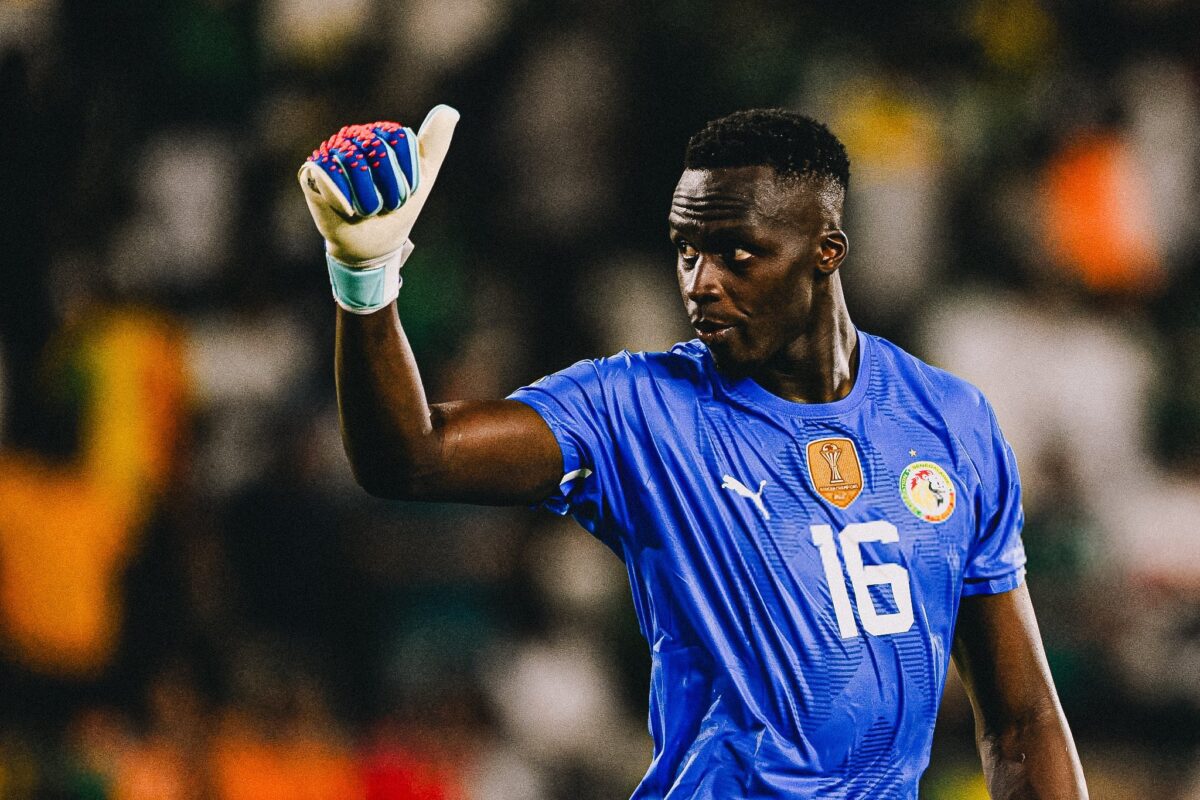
{"points": [[574, 405], [996, 562]]}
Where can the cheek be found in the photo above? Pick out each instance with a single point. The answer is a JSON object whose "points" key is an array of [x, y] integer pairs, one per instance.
{"points": [[794, 302], [781, 314], [680, 281]]}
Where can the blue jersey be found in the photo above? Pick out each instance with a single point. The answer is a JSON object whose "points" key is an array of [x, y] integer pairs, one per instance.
{"points": [[796, 568]]}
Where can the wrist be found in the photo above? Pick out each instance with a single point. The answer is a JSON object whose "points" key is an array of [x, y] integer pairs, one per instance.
{"points": [[363, 287]]}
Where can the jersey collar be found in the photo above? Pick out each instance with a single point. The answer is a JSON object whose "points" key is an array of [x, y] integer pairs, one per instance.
{"points": [[748, 390]]}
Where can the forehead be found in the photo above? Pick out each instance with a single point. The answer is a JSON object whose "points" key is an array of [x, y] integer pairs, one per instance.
{"points": [[745, 195]]}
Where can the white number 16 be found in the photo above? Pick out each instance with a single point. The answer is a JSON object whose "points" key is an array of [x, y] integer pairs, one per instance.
{"points": [[863, 577]]}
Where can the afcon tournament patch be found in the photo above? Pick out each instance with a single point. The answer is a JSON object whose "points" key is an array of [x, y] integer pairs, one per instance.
{"points": [[834, 470], [927, 491]]}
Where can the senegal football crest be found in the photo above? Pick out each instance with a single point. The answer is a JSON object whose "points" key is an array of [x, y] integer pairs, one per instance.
{"points": [[927, 491], [834, 470]]}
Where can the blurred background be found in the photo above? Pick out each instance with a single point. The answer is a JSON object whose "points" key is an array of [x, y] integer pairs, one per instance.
{"points": [[195, 599]]}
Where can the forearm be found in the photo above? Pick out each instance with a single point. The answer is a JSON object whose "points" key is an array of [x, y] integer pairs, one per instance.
{"points": [[387, 425], [1032, 758]]}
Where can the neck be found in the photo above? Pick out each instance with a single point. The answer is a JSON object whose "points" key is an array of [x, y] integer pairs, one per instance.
{"points": [[821, 364]]}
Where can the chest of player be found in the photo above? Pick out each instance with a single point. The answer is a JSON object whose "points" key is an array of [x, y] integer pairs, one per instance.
{"points": [[834, 471], [872, 511]]}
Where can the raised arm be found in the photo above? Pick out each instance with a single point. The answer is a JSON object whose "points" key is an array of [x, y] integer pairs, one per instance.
{"points": [[1020, 730], [365, 187], [496, 451]]}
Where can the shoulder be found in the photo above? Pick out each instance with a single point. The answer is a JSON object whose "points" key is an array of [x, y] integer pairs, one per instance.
{"points": [[684, 362], [623, 379], [960, 402], [685, 359], [934, 393]]}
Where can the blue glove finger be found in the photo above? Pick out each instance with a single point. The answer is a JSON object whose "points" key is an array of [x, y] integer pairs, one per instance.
{"points": [[393, 188], [345, 151], [403, 144], [391, 176], [376, 166], [324, 159], [367, 199]]}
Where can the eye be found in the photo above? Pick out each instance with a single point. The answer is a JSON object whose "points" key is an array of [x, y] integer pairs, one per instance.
{"points": [[740, 255], [686, 251]]}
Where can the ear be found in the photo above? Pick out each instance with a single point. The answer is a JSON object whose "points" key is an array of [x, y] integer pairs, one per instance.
{"points": [[834, 246]]}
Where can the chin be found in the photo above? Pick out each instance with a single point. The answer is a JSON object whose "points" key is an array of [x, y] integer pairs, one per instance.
{"points": [[732, 360], [735, 351]]}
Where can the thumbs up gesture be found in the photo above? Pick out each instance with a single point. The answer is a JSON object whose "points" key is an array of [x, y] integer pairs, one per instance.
{"points": [[365, 187]]}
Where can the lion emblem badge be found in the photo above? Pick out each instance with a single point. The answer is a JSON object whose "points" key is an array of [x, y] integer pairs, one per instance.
{"points": [[927, 491]]}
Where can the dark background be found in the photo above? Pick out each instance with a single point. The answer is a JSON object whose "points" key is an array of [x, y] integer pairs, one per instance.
{"points": [[196, 601]]}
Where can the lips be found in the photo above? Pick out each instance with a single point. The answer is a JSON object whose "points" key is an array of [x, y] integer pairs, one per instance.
{"points": [[712, 331], [710, 325]]}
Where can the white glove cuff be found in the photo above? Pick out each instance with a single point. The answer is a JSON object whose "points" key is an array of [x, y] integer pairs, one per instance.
{"points": [[365, 287]]}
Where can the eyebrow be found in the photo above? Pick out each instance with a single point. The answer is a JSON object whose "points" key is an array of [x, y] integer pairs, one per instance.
{"points": [[733, 234], [718, 227]]}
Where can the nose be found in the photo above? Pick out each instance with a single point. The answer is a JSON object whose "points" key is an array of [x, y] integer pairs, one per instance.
{"points": [[701, 283]]}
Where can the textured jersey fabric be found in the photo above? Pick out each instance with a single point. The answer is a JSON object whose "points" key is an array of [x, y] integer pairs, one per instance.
{"points": [[769, 680]]}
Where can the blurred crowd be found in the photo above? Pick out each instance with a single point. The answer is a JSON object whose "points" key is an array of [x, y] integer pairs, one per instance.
{"points": [[195, 598]]}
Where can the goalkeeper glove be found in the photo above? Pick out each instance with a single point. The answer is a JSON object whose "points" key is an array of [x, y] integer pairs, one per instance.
{"points": [[365, 187]]}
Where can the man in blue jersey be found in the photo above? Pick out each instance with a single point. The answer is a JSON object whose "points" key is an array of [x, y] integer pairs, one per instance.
{"points": [[812, 520]]}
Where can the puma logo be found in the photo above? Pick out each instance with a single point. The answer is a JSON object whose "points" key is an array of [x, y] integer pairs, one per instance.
{"points": [[740, 489]]}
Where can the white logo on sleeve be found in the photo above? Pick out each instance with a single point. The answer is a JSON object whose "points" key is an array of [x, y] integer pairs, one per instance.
{"points": [[576, 474], [740, 489]]}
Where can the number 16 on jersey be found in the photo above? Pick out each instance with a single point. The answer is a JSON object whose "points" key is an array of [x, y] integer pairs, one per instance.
{"points": [[863, 577]]}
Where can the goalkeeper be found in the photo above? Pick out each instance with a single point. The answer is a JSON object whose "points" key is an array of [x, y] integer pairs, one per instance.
{"points": [[813, 521]]}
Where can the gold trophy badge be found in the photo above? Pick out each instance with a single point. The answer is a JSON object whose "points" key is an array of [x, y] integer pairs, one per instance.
{"points": [[835, 471]]}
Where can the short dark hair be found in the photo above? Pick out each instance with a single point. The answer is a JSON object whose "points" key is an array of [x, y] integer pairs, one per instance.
{"points": [[790, 143]]}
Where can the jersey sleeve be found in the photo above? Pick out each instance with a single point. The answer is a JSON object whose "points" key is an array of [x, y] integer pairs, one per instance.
{"points": [[996, 562], [575, 405]]}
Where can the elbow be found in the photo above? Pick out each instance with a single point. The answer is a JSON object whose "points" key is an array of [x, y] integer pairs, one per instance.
{"points": [[385, 481], [1007, 736], [384, 484], [393, 470], [390, 481], [376, 487]]}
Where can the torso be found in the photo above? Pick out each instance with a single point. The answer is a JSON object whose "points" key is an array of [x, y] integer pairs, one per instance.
{"points": [[799, 606]]}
